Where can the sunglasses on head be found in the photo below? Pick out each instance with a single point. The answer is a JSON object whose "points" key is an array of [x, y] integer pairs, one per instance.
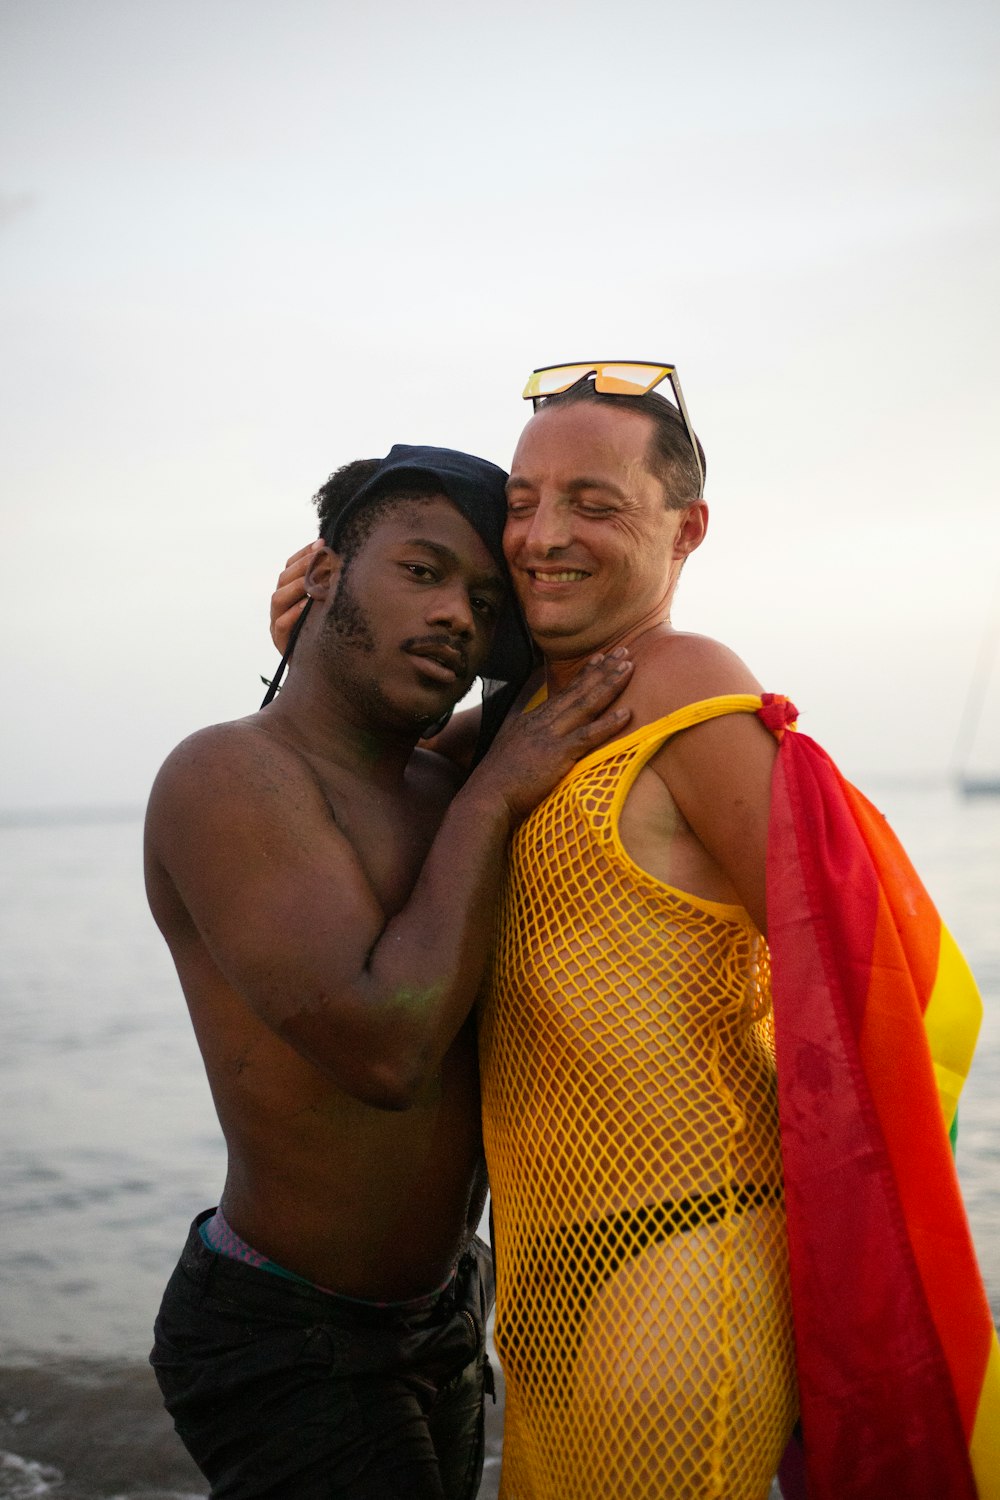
{"points": [[617, 377]]}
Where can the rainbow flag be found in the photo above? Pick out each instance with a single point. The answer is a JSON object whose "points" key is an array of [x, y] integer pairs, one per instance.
{"points": [[876, 1015]]}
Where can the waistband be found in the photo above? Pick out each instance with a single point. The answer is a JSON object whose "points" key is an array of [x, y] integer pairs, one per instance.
{"points": [[219, 1235], [258, 1290]]}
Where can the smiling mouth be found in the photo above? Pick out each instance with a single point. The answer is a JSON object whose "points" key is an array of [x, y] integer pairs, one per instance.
{"points": [[554, 575]]}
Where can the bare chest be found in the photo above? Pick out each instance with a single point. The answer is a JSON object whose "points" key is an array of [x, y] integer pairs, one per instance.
{"points": [[390, 830]]}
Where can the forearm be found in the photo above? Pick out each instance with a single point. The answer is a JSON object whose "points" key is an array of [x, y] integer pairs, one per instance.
{"points": [[424, 972], [286, 907], [407, 999]]}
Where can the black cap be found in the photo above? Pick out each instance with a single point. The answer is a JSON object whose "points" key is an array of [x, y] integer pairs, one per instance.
{"points": [[477, 489]]}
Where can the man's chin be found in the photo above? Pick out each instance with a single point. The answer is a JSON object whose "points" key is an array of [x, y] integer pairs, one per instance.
{"points": [[426, 714], [568, 635]]}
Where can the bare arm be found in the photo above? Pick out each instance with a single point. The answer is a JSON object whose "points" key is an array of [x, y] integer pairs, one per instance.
{"points": [[718, 773], [278, 896]]}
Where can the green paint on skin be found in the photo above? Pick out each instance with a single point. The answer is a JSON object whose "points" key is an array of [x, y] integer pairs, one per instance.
{"points": [[300, 1027], [414, 999]]}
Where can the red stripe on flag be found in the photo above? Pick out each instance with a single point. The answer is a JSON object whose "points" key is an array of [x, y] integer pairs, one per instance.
{"points": [[879, 1412]]}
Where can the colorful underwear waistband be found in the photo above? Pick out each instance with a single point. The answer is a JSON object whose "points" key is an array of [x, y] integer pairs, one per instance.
{"points": [[220, 1237]]}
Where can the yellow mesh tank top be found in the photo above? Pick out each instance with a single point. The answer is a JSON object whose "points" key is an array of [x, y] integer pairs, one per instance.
{"points": [[631, 1128]]}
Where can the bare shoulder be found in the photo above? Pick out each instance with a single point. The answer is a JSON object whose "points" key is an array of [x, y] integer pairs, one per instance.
{"points": [[235, 763], [243, 746], [677, 668], [232, 739], [718, 773]]}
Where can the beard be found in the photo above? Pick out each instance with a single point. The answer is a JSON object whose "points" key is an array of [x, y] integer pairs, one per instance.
{"points": [[348, 619], [346, 642]]}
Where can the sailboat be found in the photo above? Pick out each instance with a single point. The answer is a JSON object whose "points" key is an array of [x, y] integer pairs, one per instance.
{"points": [[978, 786]]}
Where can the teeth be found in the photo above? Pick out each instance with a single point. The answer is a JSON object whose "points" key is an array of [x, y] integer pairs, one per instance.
{"points": [[567, 577]]}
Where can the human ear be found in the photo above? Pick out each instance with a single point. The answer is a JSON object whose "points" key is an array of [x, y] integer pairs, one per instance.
{"points": [[691, 531], [322, 573]]}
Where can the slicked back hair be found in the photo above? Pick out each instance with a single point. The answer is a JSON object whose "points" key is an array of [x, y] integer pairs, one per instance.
{"points": [[670, 456]]}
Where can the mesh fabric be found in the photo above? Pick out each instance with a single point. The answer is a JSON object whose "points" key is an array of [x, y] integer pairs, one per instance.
{"points": [[631, 1128]]}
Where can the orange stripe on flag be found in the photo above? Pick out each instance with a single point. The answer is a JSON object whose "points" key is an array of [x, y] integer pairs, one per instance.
{"points": [[913, 911], [897, 1062]]}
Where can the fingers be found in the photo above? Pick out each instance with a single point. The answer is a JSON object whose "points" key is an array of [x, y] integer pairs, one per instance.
{"points": [[586, 715], [285, 595], [594, 733], [301, 557], [289, 597], [596, 687], [283, 624], [289, 584], [534, 750]]}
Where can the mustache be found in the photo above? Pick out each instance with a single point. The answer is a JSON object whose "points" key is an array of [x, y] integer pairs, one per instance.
{"points": [[420, 643]]}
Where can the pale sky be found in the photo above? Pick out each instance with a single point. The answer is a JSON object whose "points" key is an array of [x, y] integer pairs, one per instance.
{"points": [[242, 243]]}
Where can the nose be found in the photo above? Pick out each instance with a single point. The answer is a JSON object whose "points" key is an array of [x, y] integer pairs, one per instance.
{"points": [[544, 530], [451, 610]]}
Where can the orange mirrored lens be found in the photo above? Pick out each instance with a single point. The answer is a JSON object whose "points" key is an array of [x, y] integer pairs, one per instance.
{"points": [[551, 382], [618, 379], [630, 380]]}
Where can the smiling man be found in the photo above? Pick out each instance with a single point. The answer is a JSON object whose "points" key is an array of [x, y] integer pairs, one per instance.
{"points": [[329, 916], [648, 1261], [629, 1097]]}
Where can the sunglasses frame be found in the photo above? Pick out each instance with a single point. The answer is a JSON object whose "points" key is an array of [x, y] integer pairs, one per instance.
{"points": [[595, 367]]}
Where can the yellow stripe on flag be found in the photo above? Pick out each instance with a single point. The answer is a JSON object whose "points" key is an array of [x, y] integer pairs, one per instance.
{"points": [[951, 1021], [984, 1449]]}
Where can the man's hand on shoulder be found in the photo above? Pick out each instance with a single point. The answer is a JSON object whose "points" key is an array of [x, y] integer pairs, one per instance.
{"points": [[533, 751]]}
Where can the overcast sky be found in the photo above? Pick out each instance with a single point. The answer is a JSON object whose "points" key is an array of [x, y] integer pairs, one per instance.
{"points": [[244, 242]]}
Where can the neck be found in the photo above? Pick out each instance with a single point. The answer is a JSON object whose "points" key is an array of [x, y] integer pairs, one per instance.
{"points": [[560, 671], [315, 715]]}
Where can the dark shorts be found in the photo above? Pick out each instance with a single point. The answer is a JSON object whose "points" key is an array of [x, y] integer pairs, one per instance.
{"points": [[280, 1390]]}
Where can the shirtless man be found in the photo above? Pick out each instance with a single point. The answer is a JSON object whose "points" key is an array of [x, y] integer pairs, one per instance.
{"points": [[329, 914]]}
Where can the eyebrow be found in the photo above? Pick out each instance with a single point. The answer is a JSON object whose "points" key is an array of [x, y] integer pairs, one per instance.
{"points": [[447, 555]]}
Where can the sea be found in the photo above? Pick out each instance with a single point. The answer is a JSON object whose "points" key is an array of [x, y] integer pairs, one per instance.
{"points": [[110, 1143]]}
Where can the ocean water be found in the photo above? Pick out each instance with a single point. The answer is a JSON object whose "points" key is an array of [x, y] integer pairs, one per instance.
{"points": [[109, 1144]]}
